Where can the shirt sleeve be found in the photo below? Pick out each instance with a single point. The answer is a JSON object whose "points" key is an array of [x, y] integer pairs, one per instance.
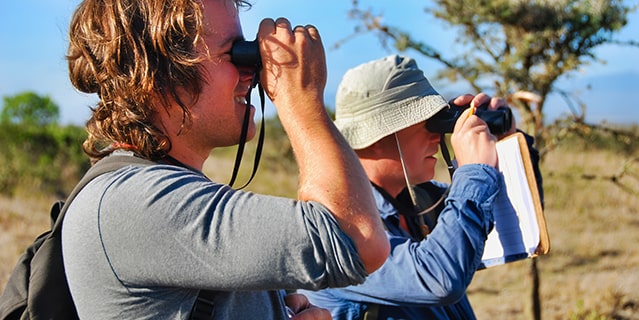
{"points": [[438, 269], [168, 226]]}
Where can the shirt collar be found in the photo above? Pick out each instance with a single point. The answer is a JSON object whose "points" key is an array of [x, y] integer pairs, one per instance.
{"points": [[386, 209]]}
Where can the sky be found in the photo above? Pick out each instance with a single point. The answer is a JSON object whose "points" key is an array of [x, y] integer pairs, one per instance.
{"points": [[33, 34]]}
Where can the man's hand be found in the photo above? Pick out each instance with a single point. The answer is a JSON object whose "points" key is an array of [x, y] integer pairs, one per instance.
{"points": [[294, 63], [304, 310], [472, 141]]}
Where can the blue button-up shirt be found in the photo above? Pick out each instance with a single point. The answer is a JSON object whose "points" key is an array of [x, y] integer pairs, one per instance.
{"points": [[426, 279]]}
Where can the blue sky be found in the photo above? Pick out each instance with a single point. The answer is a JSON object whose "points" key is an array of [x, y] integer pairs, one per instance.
{"points": [[34, 40]]}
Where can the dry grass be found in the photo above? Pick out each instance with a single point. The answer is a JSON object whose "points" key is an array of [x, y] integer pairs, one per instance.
{"points": [[22, 219], [591, 272], [269, 179]]}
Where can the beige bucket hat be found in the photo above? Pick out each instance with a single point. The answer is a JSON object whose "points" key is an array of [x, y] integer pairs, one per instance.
{"points": [[381, 97]]}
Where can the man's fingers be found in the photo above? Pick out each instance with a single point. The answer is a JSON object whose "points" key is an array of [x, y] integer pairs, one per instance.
{"points": [[296, 302]]}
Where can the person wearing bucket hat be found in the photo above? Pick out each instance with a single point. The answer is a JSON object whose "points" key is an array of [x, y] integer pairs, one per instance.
{"points": [[381, 109]]}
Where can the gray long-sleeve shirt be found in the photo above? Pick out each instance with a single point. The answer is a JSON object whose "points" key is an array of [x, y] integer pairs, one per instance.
{"points": [[140, 242]]}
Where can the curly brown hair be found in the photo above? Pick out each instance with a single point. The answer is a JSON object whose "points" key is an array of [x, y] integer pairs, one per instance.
{"points": [[129, 51]]}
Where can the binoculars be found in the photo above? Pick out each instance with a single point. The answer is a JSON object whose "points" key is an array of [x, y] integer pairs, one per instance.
{"points": [[246, 54], [499, 121]]}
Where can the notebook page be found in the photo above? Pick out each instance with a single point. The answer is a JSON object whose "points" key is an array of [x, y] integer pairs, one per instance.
{"points": [[516, 233]]}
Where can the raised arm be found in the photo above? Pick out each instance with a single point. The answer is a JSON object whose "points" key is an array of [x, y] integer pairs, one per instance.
{"points": [[294, 77]]}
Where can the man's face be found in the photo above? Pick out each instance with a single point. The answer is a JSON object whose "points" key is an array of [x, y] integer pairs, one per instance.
{"points": [[218, 114], [419, 147]]}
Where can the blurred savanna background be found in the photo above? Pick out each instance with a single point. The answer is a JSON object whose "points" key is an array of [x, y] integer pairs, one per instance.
{"points": [[591, 183], [520, 50]]}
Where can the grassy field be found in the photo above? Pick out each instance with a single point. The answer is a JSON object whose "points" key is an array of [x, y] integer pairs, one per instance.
{"points": [[591, 272]]}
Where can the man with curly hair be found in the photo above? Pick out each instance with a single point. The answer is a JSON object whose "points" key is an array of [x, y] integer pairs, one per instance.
{"points": [[142, 242]]}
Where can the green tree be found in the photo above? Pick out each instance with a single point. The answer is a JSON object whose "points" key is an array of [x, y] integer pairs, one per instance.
{"points": [[514, 48], [29, 108], [35, 152]]}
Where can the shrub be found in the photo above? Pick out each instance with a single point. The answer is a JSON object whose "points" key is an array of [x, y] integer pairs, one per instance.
{"points": [[40, 158]]}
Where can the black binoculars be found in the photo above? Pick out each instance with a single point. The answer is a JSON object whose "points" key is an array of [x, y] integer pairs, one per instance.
{"points": [[499, 121], [246, 54]]}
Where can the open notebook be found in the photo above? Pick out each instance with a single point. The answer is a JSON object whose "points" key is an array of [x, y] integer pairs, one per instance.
{"points": [[520, 226]]}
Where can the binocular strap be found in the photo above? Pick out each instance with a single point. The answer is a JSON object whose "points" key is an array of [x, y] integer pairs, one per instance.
{"points": [[245, 125]]}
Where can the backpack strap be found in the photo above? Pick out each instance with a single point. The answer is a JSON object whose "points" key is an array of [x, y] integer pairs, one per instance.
{"points": [[39, 271], [104, 165], [203, 306]]}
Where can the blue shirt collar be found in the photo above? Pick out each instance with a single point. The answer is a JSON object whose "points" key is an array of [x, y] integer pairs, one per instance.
{"points": [[386, 209]]}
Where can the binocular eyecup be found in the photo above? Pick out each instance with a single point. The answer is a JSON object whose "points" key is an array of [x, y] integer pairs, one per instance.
{"points": [[246, 54]]}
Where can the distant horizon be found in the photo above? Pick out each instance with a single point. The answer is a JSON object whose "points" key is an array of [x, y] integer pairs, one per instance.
{"points": [[34, 34]]}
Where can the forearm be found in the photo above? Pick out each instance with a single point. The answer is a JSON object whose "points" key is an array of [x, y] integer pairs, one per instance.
{"points": [[331, 174], [294, 77]]}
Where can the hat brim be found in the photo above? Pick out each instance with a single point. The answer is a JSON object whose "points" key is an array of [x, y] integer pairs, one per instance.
{"points": [[363, 130]]}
